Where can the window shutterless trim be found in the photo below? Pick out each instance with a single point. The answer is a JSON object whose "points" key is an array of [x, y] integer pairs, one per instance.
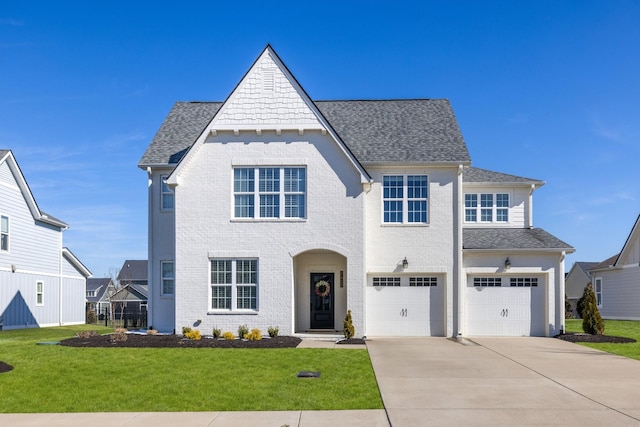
{"points": [[40, 293], [233, 285], [405, 199], [4, 233], [167, 278], [166, 194], [487, 208]]}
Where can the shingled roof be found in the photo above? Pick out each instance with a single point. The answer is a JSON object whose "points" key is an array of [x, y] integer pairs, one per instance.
{"points": [[511, 238], [387, 131], [477, 175]]}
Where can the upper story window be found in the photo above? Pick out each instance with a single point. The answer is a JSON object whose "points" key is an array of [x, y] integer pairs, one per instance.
{"points": [[234, 284], [166, 195], [91, 293], [168, 277], [486, 207], [4, 233], [405, 199], [269, 192]]}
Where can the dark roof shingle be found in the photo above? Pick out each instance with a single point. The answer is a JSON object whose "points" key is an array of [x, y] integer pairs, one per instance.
{"points": [[478, 175], [511, 238], [411, 130]]}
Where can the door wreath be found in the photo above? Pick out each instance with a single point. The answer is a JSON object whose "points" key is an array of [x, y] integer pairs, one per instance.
{"points": [[322, 288]]}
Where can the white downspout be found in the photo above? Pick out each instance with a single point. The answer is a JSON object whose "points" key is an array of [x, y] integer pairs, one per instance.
{"points": [[459, 243], [60, 282], [561, 284], [150, 259], [530, 219]]}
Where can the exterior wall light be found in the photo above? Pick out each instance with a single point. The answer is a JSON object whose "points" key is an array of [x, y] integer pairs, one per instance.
{"points": [[507, 263], [405, 263]]}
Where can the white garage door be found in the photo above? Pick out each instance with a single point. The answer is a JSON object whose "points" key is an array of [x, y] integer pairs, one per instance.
{"points": [[505, 306], [405, 306]]}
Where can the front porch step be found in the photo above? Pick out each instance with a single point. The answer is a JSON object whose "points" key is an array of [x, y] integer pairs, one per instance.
{"points": [[320, 335]]}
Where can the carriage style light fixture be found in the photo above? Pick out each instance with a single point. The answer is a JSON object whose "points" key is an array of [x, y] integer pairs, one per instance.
{"points": [[405, 263], [507, 263]]}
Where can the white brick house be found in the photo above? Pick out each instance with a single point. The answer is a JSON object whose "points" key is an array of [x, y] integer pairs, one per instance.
{"points": [[270, 209]]}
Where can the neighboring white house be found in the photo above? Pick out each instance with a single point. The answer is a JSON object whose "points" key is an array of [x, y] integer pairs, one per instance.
{"points": [[41, 282], [270, 209], [616, 281], [577, 279]]}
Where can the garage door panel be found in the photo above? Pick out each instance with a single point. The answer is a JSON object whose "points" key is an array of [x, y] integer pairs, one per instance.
{"points": [[505, 310], [405, 310]]}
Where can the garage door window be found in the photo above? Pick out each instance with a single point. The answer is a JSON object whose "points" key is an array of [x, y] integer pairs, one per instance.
{"points": [[423, 281], [487, 281], [525, 282], [386, 281]]}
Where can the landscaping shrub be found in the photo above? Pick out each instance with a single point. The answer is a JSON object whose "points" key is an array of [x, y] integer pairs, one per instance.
{"points": [[568, 310], [91, 317], [254, 335], [216, 333], [242, 331], [582, 302], [228, 336], [193, 334], [87, 334], [348, 329], [273, 331], [592, 322], [119, 335], [185, 330]]}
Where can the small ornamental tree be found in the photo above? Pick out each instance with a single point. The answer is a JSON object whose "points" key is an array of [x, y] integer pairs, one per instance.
{"points": [[582, 301], [592, 322], [568, 310], [348, 329]]}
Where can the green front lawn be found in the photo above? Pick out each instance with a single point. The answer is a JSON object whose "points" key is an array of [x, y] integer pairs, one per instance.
{"points": [[53, 378], [618, 328]]}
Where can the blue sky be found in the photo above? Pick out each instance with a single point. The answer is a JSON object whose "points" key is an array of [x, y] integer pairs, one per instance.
{"points": [[546, 89]]}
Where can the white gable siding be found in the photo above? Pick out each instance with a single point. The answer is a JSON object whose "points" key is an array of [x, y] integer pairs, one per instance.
{"points": [[518, 205], [266, 97], [205, 228], [631, 255], [6, 177]]}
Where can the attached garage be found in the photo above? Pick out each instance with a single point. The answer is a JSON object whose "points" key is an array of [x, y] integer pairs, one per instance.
{"points": [[499, 305], [405, 305]]}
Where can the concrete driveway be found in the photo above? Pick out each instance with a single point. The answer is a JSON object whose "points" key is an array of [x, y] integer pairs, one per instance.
{"points": [[504, 381]]}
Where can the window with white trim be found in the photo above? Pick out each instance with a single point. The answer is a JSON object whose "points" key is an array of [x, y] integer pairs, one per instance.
{"points": [[91, 293], [234, 284], [487, 282], [167, 197], [39, 293], [269, 192], [168, 277], [4, 233], [523, 282], [597, 289], [405, 199], [486, 207]]}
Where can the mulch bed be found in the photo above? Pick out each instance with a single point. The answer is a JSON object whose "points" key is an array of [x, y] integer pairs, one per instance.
{"points": [[177, 341], [5, 367], [581, 337], [351, 341]]}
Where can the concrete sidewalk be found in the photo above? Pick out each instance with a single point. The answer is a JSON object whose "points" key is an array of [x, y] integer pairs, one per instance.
{"points": [[504, 382]]}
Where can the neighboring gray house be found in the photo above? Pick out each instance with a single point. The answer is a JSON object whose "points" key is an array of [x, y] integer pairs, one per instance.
{"points": [[42, 283], [272, 209], [133, 272], [575, 282], [98, 292], [616, 281]]}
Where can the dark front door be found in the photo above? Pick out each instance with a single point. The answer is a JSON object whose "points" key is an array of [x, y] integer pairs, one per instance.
{"points": [[322, 291]]}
